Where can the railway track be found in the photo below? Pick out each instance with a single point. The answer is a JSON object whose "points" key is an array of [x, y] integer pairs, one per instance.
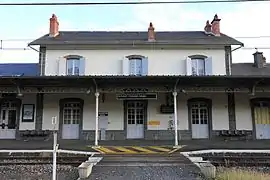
{"points": [[33, 160], [237, 159]]}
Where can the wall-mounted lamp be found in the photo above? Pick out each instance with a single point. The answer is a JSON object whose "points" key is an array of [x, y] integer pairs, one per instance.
{"points": [[19, 94], [88, 91]]}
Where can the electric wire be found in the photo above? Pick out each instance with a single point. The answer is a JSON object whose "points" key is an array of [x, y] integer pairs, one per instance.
{"points": [[236, 37], [26, 48], [128, 3]]}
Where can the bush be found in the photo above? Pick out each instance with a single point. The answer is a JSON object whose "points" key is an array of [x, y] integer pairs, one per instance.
{"points": [[239, 174]]}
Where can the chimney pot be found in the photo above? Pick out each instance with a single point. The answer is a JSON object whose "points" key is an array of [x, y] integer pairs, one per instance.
{"points": [[207, 28], [151, 32], [259, 59], [216, 25], [54, 26]]}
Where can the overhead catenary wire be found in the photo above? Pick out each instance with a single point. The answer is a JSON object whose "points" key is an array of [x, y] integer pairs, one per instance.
{"points": [[236, 37], [27, 48], [127, 3]]}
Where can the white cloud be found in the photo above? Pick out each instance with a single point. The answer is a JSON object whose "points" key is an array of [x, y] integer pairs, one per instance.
{"points": [[245, 19], [249, 20]]}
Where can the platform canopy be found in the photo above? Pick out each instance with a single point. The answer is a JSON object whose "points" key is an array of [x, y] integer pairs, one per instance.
{"points": [[112, 82]]}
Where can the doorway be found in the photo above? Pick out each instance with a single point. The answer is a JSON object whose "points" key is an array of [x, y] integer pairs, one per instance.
{"points": [[8, 119], [136, 118]]}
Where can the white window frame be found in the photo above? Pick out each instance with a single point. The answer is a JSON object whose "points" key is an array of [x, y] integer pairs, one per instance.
{"points": [[135, 70], [73, 66], [197, 72]]}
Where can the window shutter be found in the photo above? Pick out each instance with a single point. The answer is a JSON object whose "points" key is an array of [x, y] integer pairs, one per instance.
{"points": [[188, 66], [82, 66], [208, 66], [62, 66], [125, 66], [145, 66]]}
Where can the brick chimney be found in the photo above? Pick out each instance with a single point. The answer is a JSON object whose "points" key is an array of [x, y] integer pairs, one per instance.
{"points": [[151, 33], [216, 25], [54, 26], [259, 59], [208, 28]]}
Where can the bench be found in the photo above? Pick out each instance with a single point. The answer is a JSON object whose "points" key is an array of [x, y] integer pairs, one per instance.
{"points": [[233, 134], [36, 134]]}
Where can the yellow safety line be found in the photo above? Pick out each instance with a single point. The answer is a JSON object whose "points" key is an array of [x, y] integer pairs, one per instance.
{"points": [[143, 149], [97, 149], [174, 150], [160, 148], [124, 149], [106, 150]]}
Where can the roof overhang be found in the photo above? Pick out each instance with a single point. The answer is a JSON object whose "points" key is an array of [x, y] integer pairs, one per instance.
{"points": [[136, 81], [131, 42]]}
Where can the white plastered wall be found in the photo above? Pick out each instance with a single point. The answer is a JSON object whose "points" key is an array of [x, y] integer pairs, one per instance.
{"points": [[110, 105], [116, 111], [220, 118], [95, 60], [243, 110]]}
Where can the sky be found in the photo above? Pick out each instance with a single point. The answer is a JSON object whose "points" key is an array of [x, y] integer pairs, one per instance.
{"points": [[22, 24]]}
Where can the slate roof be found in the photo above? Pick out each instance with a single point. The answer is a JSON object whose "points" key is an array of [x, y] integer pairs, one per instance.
{"points": [[19, 69], [129, 37], [250, 69]]}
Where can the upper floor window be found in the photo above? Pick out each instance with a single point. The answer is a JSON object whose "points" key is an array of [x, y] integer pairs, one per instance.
{"points": [[199, 65], [135, 65], [73, 66]]}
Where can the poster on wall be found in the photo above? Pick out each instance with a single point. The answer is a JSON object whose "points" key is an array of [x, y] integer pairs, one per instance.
{"points": [[103, 120], [154, 123], [28, 113]]}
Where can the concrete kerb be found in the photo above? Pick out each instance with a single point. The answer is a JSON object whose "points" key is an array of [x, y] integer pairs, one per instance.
{"points": [[227, 151], [85, 169]]}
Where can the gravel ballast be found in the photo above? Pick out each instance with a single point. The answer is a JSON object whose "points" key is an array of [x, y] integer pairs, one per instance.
{"points": [[145, 173], [37, 172]]}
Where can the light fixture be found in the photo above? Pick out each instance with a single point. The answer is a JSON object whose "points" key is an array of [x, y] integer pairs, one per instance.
{"points": [[19, 94], [88, 91]]}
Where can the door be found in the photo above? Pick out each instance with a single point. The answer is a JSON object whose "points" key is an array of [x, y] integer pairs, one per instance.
{"points": [[8, 120], [71, 120], [199, 120], [262, 120], [135, 119]]}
